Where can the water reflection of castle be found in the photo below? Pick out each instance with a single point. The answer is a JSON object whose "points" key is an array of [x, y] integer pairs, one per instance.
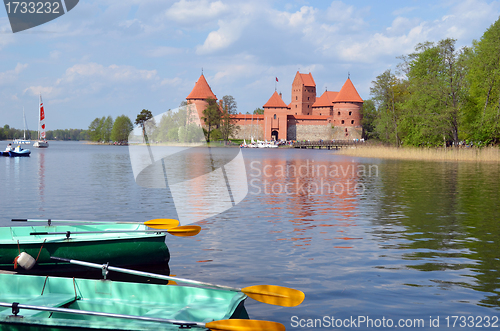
{"points": [[334, 115]]}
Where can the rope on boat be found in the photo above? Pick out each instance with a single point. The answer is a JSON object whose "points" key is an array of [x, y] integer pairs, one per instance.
{"points": [[40, 250], [17, 257]]}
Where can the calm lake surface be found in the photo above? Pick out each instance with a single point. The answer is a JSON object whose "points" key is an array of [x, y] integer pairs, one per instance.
{"points": [[382, 240]]}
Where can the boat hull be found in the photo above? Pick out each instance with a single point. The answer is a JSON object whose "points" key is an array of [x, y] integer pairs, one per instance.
{"points": [[134, 299], [41, 144], [19, 154], [122, 249]]}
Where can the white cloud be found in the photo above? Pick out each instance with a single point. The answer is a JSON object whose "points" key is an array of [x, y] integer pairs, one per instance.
{"points": [[300, 19], [195, 12], [92, 78], [9, 76]]}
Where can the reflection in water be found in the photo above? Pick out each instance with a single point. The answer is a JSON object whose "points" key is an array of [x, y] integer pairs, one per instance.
{"points": [[313, 195], [41, 180], [443, 217]]}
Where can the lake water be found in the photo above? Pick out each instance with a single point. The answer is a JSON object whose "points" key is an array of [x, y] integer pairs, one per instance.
{"points": [[370, 242]]}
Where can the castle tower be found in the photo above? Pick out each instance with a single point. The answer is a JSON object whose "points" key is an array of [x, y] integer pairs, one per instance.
{"points": [[347, 111], [199, 95], [275, 118], [303, 94]]}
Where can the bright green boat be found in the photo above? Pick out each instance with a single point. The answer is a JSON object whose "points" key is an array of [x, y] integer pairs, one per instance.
{"points": [[56, 303], [117, 243]]}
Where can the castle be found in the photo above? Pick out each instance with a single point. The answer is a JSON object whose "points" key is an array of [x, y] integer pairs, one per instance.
{"points": [[334, 115]]}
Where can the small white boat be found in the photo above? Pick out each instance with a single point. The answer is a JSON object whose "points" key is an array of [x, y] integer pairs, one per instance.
{"points": [[41, 142], [23, 141], [266, 144]]}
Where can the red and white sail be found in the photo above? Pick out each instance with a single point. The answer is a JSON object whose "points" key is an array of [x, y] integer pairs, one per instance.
{"points": [[42, 120]]}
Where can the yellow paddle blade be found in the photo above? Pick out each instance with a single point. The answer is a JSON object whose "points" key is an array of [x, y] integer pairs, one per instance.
{"points": [[275, 295], [162, 223], [171, 282], [244, 325], [185, 230]]}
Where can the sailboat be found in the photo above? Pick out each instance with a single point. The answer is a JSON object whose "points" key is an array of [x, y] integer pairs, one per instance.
{"points": [[41, 142], [24, 140]]}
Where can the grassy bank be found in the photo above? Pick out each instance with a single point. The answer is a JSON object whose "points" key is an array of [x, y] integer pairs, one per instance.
{"points": [[486, 154]]}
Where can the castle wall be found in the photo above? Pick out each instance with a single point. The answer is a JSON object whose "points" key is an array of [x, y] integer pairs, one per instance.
{"points": [[346, 132], [322, 111], [303, 127]]}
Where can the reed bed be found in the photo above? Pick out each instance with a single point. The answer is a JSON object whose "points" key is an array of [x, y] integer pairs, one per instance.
{"points": [[485, 154]]}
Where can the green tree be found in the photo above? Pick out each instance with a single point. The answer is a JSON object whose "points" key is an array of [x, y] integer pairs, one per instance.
{"points": [[121, 129], [211, 117], [369, 113], [95, 129], [143, 120], [107, 127], [227, 127], [387, 94], [258, 111], [437, 90], [482, 116], [229, 104]]}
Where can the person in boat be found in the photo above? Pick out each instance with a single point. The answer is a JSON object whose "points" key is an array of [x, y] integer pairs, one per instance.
{"points": [[9, 148]]}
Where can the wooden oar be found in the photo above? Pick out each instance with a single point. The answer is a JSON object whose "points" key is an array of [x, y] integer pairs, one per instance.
{"points": [[223, 325], [157, 223], [180, 231], [270, 294]]}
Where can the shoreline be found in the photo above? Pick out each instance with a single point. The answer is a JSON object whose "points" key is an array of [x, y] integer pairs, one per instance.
{"points": [[471, 154]]}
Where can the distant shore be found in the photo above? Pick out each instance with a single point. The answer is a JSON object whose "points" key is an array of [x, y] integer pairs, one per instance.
{"points": [[472, 154]]}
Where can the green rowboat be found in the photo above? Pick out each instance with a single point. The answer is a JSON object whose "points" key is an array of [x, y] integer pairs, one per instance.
{"points": [[89, 304], [118, 244]]}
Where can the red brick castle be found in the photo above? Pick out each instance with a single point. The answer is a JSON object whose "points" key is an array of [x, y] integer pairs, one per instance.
{"points": [[334, 115]]}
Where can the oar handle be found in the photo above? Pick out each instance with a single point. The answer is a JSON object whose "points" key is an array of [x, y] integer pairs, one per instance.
{"points": [[145, 274], [69, 233]]}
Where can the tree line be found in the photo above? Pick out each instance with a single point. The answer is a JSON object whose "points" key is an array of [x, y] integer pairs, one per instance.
{"points": [[439, 95], [8, 133]]}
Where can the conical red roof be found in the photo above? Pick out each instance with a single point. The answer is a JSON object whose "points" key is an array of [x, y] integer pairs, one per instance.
{"points": [[201, 90], [326, 99], [348, 93], [275, 102]]}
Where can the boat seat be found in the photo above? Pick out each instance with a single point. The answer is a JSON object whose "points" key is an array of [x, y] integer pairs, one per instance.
{"points": [[47, 300]]}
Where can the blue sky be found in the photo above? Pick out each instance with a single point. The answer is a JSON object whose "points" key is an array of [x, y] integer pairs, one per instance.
{"points": [[118, 57]]}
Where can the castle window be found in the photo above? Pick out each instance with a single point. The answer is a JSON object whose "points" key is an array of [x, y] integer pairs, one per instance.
{"points": [[274, 116], [307, 98], [350, 113], [295, 106], [339, 113], [352, 122], [296, 98], [342, 121], [307, 106]]}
